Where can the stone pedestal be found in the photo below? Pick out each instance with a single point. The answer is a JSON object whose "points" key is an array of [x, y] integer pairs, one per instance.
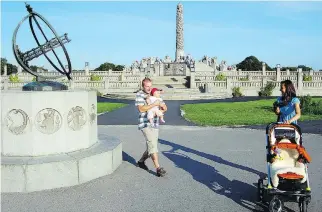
{"points": [[50, 140]]}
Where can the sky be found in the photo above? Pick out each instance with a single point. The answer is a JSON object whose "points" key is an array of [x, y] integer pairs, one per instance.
{"points": [[286, 33]]}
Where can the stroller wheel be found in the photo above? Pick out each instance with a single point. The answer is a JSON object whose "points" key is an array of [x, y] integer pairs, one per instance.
{"points": [[303, 205], [275, 205]]}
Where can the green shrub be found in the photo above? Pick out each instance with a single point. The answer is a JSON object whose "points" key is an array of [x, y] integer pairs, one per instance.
{"points": [[308, 106], [34, 79], [267, 90], [95, 77], [306, 101], [307, 77], [220, 77], [14, 78], [237, 92]]}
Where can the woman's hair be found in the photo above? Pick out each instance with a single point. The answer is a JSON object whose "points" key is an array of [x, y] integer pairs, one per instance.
{"points": [[290, 92]]}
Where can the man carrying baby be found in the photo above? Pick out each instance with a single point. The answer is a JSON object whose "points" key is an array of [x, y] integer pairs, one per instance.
{"points": [[151, 134]]}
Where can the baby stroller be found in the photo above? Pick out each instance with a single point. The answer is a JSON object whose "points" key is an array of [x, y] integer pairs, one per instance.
{"points": [[287, 177]]}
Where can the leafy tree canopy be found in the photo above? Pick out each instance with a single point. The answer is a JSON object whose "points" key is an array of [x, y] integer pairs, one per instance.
{"points": [[107, 66], [251, 63]]}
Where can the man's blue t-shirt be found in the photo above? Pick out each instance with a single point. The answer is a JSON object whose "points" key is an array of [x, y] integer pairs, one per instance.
{"points": [[288, 111]]}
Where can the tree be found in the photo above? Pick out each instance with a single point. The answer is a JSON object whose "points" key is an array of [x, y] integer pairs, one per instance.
{"points": [[119, 68], [107, 66], [251, 63], [290, 68], [304, 68], [10, 68]]}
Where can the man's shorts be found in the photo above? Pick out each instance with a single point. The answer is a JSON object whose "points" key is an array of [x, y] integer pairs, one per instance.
{"points": [[151, 136]]}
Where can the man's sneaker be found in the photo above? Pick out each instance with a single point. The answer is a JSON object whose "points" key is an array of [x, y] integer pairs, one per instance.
{"points": [[161, 172], [142, 165]]}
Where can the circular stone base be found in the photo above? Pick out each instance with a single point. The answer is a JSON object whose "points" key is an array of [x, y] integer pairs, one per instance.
{"points": [[44, 86], [27, 174]]}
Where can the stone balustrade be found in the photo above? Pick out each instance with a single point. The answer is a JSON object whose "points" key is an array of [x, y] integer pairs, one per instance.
{"points": [[126, 81]]}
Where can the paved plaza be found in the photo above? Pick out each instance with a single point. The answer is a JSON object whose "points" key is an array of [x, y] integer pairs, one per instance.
{"points": [[209, 169]]}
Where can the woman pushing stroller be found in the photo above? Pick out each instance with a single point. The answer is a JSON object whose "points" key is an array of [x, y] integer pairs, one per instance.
{"points": [[287, 106], [286, 157]]}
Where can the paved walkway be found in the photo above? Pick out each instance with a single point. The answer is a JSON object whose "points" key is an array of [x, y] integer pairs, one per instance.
{"points": [[209, 169], [128, 114]]}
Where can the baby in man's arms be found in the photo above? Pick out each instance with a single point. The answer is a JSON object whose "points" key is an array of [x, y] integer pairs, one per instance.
{"points": [[155, 111]]}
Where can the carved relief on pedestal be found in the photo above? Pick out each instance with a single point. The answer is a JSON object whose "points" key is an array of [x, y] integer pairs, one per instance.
{"points": [[76, 118], [92, 115], [48, 121], [17, 121]]}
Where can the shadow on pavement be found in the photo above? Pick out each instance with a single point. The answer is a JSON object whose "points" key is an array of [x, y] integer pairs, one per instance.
{"points": [[240, 192], [214, 158], [131, 160]]}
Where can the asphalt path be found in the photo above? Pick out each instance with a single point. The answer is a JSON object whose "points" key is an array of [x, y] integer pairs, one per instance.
{"points": [[129, 115], [209, 169]]}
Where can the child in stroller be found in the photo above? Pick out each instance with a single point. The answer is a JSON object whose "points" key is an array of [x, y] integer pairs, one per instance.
{"points": [[287, 176]]}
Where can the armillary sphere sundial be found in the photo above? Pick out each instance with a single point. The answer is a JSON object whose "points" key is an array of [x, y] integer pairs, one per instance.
{"points": [[42, 82]]}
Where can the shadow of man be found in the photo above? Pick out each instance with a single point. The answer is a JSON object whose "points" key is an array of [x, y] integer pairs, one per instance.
{"points": [[240, 192], [214, 158]]}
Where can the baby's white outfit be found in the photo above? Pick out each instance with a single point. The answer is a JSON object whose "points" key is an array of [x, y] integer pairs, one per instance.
{"points": [[155, 109]]}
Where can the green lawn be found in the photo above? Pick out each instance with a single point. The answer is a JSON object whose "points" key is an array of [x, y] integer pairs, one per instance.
{"points": [[236, 113], [108, 107]]}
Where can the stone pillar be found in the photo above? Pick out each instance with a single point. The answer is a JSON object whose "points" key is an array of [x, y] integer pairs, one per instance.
{"points": [[157, 68], [192, 80], [122, 76], [264, 68], [179, 33], [19, 69], [311, 72], [110, 72], [216, 72], [299, 81], [239, 72], [209, 87], [161, 69], [264, 82], [86, 68], [71, 85], [287, 72], [66, 68], [278, 73], [228, 86], [5, 84], [5, 72], [106, 84]]}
